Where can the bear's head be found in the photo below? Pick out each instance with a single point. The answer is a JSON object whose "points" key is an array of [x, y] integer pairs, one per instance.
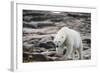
{"points": [[59, 39]]}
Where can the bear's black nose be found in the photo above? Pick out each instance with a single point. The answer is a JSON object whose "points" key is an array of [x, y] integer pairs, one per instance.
{"points": [[56, 45]]}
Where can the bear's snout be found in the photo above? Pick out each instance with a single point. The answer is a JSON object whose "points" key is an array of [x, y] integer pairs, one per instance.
{"points": [[57, 46]]}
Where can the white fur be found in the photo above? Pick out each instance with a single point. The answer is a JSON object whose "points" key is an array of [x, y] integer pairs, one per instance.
{"points": [[70, 39]]}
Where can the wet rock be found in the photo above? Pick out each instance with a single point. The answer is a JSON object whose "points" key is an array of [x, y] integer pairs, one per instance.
{"points": [[47, 45]]}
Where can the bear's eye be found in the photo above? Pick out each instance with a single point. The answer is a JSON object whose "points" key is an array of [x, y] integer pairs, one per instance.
{"points": [[59, 41], [62, 37]]}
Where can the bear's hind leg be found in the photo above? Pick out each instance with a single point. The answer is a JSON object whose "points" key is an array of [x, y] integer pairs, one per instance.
{"points": [[76, 54]]}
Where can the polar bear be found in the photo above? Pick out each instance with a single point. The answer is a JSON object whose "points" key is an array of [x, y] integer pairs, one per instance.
{"points": [[70, 40]]}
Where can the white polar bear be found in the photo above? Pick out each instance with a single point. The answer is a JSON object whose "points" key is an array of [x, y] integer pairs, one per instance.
{"points": [[71, 41]]}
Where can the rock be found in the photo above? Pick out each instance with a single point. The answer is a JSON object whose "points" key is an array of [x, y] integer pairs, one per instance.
{"points": [[38, 24], [38, 37], [27, 18], [43, 56], [47, 45], [87, 57], [87, 40], [85, 48], [27, 46], [79, 15], [40, 31], [32, 13], [87, 54]]}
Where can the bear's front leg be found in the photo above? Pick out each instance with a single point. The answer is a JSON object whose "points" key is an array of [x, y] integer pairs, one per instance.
{"points": [[69, 52]]}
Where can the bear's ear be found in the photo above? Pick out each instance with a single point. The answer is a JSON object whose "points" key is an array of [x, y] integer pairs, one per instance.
{"points": [[58, 41], [52, 37]]}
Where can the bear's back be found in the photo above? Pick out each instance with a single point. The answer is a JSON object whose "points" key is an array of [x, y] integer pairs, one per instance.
{"points": [[68, 31]]}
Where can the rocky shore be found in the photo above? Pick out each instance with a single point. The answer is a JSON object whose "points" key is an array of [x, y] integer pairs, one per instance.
{"points": [[40, 27]]}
